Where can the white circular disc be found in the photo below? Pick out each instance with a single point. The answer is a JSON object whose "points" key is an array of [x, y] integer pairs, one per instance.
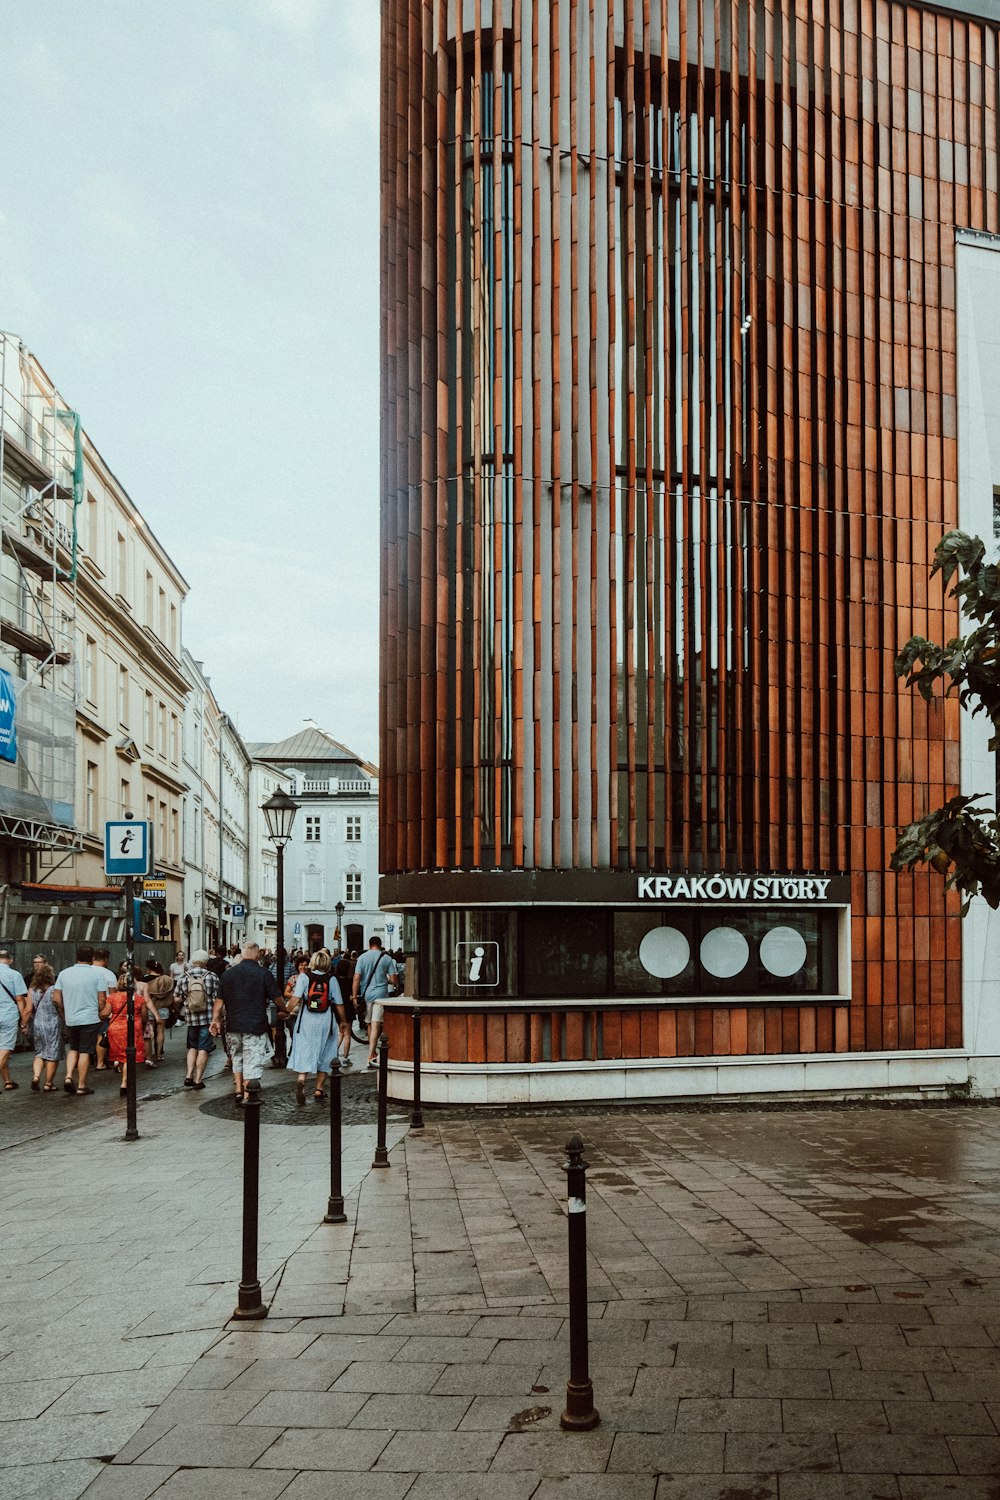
{"points": [[724, 952], [664, 953], [783, 951]]}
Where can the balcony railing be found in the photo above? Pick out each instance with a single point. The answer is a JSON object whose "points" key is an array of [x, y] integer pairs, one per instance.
{"points": [[333, 787]]}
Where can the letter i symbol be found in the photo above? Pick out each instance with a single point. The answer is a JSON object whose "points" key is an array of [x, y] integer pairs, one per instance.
{"points": [[476, 967]]}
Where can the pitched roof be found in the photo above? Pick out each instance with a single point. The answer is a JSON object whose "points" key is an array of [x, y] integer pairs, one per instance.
{"points": [[310, 744]]}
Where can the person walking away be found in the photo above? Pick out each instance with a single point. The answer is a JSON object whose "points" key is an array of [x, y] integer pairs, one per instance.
{"points": [[283, 1014], [314, 1033], [102, 960], [371, 987], [197, 990], [245, 991], [15, 1010], [159, 988], [47, 1029], [79, 995], [118, 1026], [346, 1014]]}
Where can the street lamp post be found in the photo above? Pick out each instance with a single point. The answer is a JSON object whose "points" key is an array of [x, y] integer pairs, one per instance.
{"points": [[339, 909], [279, 813]]}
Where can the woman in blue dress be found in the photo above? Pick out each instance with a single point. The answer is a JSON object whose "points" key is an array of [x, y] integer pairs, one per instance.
{"points": [[47, 1029], [315, 1032]]}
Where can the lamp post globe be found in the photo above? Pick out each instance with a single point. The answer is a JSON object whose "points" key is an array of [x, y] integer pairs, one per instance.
{"points": [[279, 813]]}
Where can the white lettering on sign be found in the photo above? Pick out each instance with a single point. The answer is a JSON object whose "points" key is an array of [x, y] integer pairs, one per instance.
{"points": [[732, 888]]}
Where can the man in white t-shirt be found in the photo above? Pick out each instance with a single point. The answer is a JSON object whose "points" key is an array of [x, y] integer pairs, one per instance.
{"points": [[13, 1011], [81, 994]]}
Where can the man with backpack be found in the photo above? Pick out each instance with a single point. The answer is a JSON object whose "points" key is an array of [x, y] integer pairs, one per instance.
{"points": [[372, 978], [196, 990]]}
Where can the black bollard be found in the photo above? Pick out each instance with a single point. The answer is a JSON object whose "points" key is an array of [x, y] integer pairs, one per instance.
{"points": [[335, 1206], [381, 1154], [580, 1415], [250, 1304], [417, 1117]]}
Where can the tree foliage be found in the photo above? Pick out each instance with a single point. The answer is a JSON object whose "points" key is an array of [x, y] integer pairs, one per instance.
{"points": [[961, 840]]}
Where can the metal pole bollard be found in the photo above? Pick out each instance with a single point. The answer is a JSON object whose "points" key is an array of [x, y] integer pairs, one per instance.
{"points": [[381, 1154], [250, 1304], [417, 1117], [131, 1078], [580, 1415], [335, 1205]]}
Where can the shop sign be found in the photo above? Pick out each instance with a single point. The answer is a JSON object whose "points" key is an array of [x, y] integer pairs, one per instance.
{"points": [[732, 888]]}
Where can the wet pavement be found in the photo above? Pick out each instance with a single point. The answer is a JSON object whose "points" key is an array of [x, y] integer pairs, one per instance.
{"points": [[784, 1305]]}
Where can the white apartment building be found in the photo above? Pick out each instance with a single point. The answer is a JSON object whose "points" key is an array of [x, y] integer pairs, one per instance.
{"points": [[262, 922], [217, 821], [333, 854]]}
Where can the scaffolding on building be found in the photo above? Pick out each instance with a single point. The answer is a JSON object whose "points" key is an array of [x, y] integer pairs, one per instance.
{"points": [[41, 492]]}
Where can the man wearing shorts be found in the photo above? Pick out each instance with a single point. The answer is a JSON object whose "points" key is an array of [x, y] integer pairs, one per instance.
{"points": [[246, 990], [81, 995], [371, 984], [15, 1009], [197, 990]]}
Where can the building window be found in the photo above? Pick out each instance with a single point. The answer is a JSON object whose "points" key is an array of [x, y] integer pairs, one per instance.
{"points": [[126, 796], [175, 841], [90, 661], [314, 829], [91, 811], [162, 829], [175, 739], [147, 719], [163, 616], [93, 540], [172, 642], [121, 581], [123, 696], [163, 729], [352, 891], [354, 828], [150, 620]]}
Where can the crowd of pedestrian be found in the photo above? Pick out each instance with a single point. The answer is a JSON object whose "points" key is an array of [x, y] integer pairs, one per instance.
{"points": [[300, 1020]]}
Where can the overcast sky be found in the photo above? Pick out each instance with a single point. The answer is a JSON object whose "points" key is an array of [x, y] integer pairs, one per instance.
{"points": [[189, 244]]}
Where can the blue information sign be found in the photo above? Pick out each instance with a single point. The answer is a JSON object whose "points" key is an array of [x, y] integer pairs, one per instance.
{"points": [[127, 847], [8, 714]]}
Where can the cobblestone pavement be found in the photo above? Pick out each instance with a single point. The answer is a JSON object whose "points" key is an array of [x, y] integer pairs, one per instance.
{"points": [[800, 1305]]}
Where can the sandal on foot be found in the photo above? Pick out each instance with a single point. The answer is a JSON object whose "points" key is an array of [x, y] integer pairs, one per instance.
{"points": [[318, 1096], [48, 1088], [189, 1083], [69, 1086], [12, 1085], [35, 1085], [300, 1091], [85, 1091]]}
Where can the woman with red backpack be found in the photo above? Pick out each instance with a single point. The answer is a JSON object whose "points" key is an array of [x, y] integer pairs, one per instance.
{"points": [[315, 1031]]}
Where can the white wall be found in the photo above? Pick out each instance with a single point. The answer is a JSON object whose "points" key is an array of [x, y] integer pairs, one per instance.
{"points": [[978, 322]]}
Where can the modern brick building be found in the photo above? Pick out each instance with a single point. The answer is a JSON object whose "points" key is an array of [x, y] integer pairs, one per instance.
{"points": [[690, 341]]}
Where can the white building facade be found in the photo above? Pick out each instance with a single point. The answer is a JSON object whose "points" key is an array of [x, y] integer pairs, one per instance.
{"points": [[333, 855]]}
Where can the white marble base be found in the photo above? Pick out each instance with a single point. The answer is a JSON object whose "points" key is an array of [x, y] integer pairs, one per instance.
{"points": [[830, 1076]]}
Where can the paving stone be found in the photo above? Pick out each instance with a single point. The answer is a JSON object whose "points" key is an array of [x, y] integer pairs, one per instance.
{"points": [[947, 1487], [31, 1397], [705, 1487], [303, 1409], [195, 1446], [343, 1348], [832, 1415], [439, 1452], [322, 1448], [50, 1481], [896, 1454], [303, 1374], [975, 1455], [444, 1350], [486, 1380], [685, 1381], [210, 1374], [879, 1385], [596, 1487], [686, 1453], [803, 1384], [952, 1418], [451, 1325], [555, 1451], [779, 1453], [839, 1487], [134, 1482], [413, 1413], [225, 1484], [509, 1414], [311, 1485], [474, 1487]]}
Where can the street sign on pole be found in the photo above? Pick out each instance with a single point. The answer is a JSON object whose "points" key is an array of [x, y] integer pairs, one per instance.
{"points": [[239, 911], [127, 848]]}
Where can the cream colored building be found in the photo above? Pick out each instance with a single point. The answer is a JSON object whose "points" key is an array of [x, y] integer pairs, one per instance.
{"points": [[90, 615], [216, 906]]}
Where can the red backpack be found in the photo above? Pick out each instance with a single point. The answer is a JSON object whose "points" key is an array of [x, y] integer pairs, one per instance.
{"points": [[318, 994]]}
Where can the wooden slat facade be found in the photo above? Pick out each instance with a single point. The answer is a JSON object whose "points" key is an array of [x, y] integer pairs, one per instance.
{"points": [[668, 439]]}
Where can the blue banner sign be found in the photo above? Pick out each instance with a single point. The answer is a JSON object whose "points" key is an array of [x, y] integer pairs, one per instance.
{"points": [[8, 715]]}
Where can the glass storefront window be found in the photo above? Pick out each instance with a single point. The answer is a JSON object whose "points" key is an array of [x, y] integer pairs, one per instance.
{"points": [[725, 951], [564, 951], [452, 966]]}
